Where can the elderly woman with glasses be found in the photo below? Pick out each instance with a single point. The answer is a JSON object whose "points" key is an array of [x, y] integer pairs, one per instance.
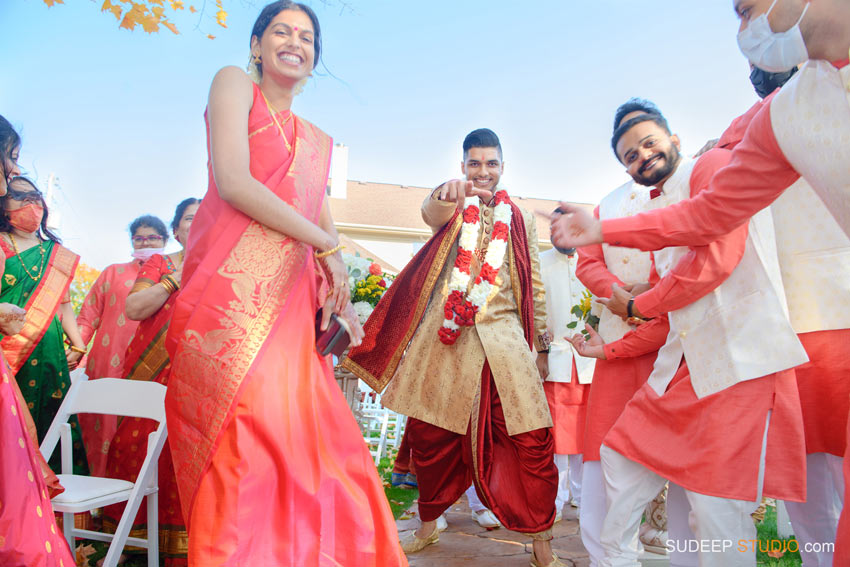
{"points": [[38, 272], [102, 316], [151, 302]]}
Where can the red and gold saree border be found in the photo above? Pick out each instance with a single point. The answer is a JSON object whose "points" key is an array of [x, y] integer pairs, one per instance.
{"points": [[42, 306]]}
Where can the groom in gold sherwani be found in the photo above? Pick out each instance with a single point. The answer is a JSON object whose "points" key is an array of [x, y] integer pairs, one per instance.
{"points": [[477, 408]]}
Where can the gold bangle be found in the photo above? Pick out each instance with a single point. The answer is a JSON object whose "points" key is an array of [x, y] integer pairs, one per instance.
{"points": [[139, 286], [172, 281], [167, 285], [78, 349], [326, 253]]}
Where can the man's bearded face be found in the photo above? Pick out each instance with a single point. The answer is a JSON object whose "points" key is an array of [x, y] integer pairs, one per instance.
{"points": [[649, 153]]}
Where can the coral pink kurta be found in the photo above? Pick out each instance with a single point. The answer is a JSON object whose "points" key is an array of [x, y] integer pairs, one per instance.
{"points": [[824, 381], [568, 406], [102, 315], [713, 445], [628, 361]]}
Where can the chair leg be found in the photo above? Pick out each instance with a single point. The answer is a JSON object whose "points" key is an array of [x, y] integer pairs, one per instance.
{"points": [[153, 529], [68, 530]]}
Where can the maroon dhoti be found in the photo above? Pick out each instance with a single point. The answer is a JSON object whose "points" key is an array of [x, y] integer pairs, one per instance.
{"points": [[515, 476]]}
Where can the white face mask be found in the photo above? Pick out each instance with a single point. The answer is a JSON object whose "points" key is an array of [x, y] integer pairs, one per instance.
{"points": [[775, 52], [144, 254]]}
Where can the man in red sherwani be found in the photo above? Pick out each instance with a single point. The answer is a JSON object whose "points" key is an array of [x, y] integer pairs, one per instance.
{"points": [[693, 419]]}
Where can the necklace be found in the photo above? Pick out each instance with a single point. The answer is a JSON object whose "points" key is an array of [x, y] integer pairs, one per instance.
{"points": [[23, 265], [273, 112], [461, 307]]}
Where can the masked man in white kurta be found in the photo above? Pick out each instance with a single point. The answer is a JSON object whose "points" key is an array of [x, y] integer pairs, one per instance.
{"points": [[568, 377], [720, 413]]}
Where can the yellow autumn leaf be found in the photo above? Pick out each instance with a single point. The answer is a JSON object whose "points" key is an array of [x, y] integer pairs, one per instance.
{"points": [[192, 9], [149, 23], [50, 3], [158, 2], [221, 18], [158, 11], [176, 4], [172, 27], [110, 7], [129, 21], [210, 36]]}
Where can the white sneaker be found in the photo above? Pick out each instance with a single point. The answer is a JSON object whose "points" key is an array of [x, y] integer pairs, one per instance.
{"points": [[442, 524], [486, 519], [559, 516]]}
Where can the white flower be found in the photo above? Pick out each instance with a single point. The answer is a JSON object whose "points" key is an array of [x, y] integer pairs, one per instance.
{"points": [[479, 293], [469, 236], [458, 281], [502, 212], [496, 253], [363, 310]]}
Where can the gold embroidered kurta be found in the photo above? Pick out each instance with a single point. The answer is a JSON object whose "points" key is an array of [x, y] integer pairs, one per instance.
{"points": [[439, 384]]}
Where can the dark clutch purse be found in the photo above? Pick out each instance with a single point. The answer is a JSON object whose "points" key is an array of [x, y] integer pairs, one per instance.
{"points": [[333, 340]]}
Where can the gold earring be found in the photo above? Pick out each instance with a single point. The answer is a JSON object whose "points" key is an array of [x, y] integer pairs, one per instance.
{"points": [[258, 59]]}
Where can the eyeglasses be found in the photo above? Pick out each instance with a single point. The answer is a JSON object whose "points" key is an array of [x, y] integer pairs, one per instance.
{"points": [[24, 196], [153, 239]]}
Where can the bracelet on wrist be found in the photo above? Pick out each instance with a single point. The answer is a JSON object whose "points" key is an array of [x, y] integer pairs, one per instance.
{"points": [[629, 307], [172, 281], [78, 349], [169, 287], [139, 286], [326, 253]]}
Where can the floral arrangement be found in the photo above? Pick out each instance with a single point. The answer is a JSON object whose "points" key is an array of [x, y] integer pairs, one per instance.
{"points": [[367, 281], [583, 314], [460, 310]]}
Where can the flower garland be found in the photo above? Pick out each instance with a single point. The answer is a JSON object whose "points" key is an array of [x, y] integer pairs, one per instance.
{"points": [[460, 310]]}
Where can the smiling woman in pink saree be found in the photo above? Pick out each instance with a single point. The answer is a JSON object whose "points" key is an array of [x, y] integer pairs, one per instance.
{"points": [[270, 464]]}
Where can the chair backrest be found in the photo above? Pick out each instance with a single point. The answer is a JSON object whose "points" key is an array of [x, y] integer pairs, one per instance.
{"points": [[112, 396], [116, 396]]}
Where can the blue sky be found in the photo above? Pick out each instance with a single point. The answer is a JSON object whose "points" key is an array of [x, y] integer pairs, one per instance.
{"points": [[118, 115]]}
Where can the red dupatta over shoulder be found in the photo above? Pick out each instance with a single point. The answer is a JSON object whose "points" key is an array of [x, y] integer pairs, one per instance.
{"points": [[392, 324], [238, 275]]}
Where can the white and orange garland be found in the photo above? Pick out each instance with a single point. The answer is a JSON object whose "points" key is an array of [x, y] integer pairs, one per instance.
{"points": [[459, 310]]}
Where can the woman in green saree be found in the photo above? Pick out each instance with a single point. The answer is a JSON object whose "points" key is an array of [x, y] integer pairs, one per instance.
{"points": [[38, 273]]}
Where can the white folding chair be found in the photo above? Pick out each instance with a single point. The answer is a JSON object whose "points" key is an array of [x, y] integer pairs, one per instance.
{"points": [[375, 425], [113, 396], [400, 422]]}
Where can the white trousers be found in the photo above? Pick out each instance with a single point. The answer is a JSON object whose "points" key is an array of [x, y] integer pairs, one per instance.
{"points": [[815, 521], [569, 480], [679, 531], [717, 523], [591, 513], [474, 502]]}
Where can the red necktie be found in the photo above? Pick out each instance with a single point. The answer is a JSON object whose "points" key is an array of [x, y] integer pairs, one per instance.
{"points": [[654, 192]]}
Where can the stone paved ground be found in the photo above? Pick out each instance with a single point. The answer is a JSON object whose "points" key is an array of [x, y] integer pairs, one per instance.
{"points": [[466, 543]]}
